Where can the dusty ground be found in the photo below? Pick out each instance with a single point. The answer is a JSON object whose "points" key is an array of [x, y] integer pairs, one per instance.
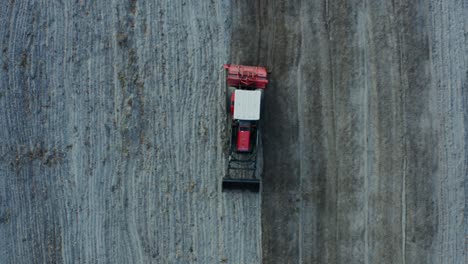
{"points": [[112, 132], [366, 139]]}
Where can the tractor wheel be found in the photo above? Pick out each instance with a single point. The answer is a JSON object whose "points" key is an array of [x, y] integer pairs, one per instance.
{"points": [[229, 91]]}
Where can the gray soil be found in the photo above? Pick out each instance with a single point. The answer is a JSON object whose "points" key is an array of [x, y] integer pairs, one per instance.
{"points": [[113, 132]]}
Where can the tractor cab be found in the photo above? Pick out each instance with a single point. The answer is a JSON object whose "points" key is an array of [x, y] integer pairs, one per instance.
{"points": [[245, 109]]}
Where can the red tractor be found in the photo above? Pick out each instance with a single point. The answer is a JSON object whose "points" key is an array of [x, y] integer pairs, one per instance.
{"points": [[245, 93]]}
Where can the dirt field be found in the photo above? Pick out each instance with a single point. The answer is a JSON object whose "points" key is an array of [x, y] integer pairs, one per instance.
{"points": [[113, 131]]}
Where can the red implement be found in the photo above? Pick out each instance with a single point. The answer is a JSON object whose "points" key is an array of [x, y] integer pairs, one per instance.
{"points": [[247, 76]]}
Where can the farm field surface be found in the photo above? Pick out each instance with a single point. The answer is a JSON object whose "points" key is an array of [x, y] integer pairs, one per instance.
{"points": [[113, 132]]}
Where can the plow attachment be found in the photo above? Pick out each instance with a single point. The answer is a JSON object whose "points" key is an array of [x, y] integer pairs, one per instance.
{"points": [[252, 185], [241, 173]]}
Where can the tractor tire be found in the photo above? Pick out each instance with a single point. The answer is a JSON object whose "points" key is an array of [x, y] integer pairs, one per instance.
{"points": [[229, 91]]}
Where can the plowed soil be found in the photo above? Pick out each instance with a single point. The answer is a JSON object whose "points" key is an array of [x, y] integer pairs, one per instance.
{"points": [[113, 132]]}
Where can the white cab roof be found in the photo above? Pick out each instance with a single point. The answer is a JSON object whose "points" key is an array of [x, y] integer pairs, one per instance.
{"points": [[247, 104]]}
